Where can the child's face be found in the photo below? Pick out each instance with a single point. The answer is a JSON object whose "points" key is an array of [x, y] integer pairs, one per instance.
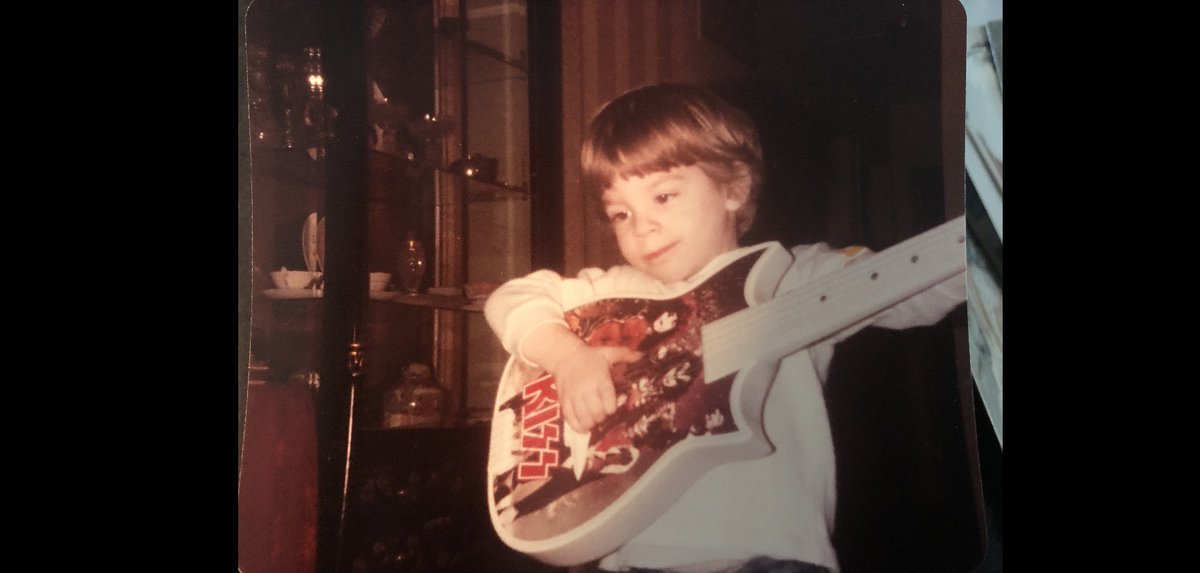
{"points": [[669, 224]]}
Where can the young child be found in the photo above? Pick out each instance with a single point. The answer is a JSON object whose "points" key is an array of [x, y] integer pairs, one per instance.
{"points": [[677, 171]]}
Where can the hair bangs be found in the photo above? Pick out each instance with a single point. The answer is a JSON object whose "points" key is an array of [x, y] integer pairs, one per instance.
{"points": [[637, 149]]}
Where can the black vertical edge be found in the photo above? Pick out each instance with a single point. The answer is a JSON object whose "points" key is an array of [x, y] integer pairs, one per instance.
{"points": [[244, 258], [343, 50], [544, 19], [244, 226]]}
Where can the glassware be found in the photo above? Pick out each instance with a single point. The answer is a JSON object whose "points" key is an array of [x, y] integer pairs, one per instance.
{"points": [[412, 265], [284, 94], [418, 401], [316, 114], [262, 123]]}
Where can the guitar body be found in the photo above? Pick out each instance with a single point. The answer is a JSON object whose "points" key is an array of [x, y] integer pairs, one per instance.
{"points": [[566, 498], [692, 402]]}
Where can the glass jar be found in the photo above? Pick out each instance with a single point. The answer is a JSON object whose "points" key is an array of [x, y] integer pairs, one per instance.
{"points": [[416, 402]]}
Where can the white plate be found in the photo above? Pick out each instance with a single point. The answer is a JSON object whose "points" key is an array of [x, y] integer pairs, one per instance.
{"points": [[308, 242], [293, 293]]}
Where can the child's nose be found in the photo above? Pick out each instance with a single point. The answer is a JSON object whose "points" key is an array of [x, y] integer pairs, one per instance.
{"points": [[644, 224]]}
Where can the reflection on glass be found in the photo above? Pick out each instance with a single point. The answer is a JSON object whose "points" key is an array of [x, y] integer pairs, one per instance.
{"points": [[412, 265]]}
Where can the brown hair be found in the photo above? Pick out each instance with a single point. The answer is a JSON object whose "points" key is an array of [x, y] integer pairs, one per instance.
{"points": [[660, 127]]}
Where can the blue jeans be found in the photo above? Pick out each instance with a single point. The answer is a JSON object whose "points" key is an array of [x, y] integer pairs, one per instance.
{"points": [[764, 565]]}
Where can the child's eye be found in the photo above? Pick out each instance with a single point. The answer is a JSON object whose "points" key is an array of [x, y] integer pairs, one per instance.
{"points": [[618, 216], [662, 198]]}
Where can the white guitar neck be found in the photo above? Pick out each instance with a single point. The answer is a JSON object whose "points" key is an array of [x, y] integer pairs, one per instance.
{"points": [[802, 317]]}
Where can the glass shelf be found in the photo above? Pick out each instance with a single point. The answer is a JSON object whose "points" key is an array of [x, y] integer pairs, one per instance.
{"points": [[429, 300], [442, 302], [299, 169], [476, 423], [477, 189], [483, 50], [490, 32]]}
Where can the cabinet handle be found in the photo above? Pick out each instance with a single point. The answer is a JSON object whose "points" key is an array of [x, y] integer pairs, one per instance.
{"points": [[355, 363]]}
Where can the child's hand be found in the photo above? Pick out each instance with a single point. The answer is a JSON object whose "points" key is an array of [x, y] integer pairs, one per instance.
{"points": [[585, 386], [581, 372]]}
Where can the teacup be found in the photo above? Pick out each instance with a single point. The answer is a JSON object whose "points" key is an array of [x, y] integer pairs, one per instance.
{"points": [[379, 281], [294, 279]]}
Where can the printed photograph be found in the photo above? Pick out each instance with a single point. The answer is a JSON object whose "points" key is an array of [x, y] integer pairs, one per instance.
{"points": [[589, 286]]}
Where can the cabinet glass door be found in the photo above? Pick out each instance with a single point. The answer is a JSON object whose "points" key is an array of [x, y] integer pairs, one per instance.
{"points": [[295, 399], [451, 171], [498, 216], [446, 181]]}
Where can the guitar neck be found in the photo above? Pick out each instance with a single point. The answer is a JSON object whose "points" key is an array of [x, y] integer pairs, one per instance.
{"points": [[802, 317]]}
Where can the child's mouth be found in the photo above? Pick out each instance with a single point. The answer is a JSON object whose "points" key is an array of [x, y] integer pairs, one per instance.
{"points": [[656, 254]]}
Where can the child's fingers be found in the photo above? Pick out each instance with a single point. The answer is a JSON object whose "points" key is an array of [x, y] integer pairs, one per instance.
{"points": [[569, 413], [595, 407], [608, 397], [615, 354], [586, 387]]}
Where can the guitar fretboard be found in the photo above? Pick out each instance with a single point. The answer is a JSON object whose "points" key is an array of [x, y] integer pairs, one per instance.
{"points": [[804, 316]]}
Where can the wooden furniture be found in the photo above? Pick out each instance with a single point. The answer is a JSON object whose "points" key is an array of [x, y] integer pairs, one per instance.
{"points": [[416, 127]]}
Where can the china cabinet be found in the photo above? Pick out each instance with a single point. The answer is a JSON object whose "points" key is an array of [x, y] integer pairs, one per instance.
{"points": [[408, 142]]}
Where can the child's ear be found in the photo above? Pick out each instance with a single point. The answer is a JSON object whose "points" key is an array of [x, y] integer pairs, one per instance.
{"points": [[738, 189]]}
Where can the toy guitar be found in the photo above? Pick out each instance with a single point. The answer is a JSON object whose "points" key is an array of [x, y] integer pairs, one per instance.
{"points": [[693, 401]]}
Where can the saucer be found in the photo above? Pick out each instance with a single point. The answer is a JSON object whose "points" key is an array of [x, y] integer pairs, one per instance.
{"points": [[293, 293], [382, 294]]}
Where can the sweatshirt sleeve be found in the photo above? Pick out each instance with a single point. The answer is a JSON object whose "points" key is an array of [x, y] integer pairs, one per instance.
{"points": [[520, 305], [928, 306], [811, 262], [922, 309]]}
